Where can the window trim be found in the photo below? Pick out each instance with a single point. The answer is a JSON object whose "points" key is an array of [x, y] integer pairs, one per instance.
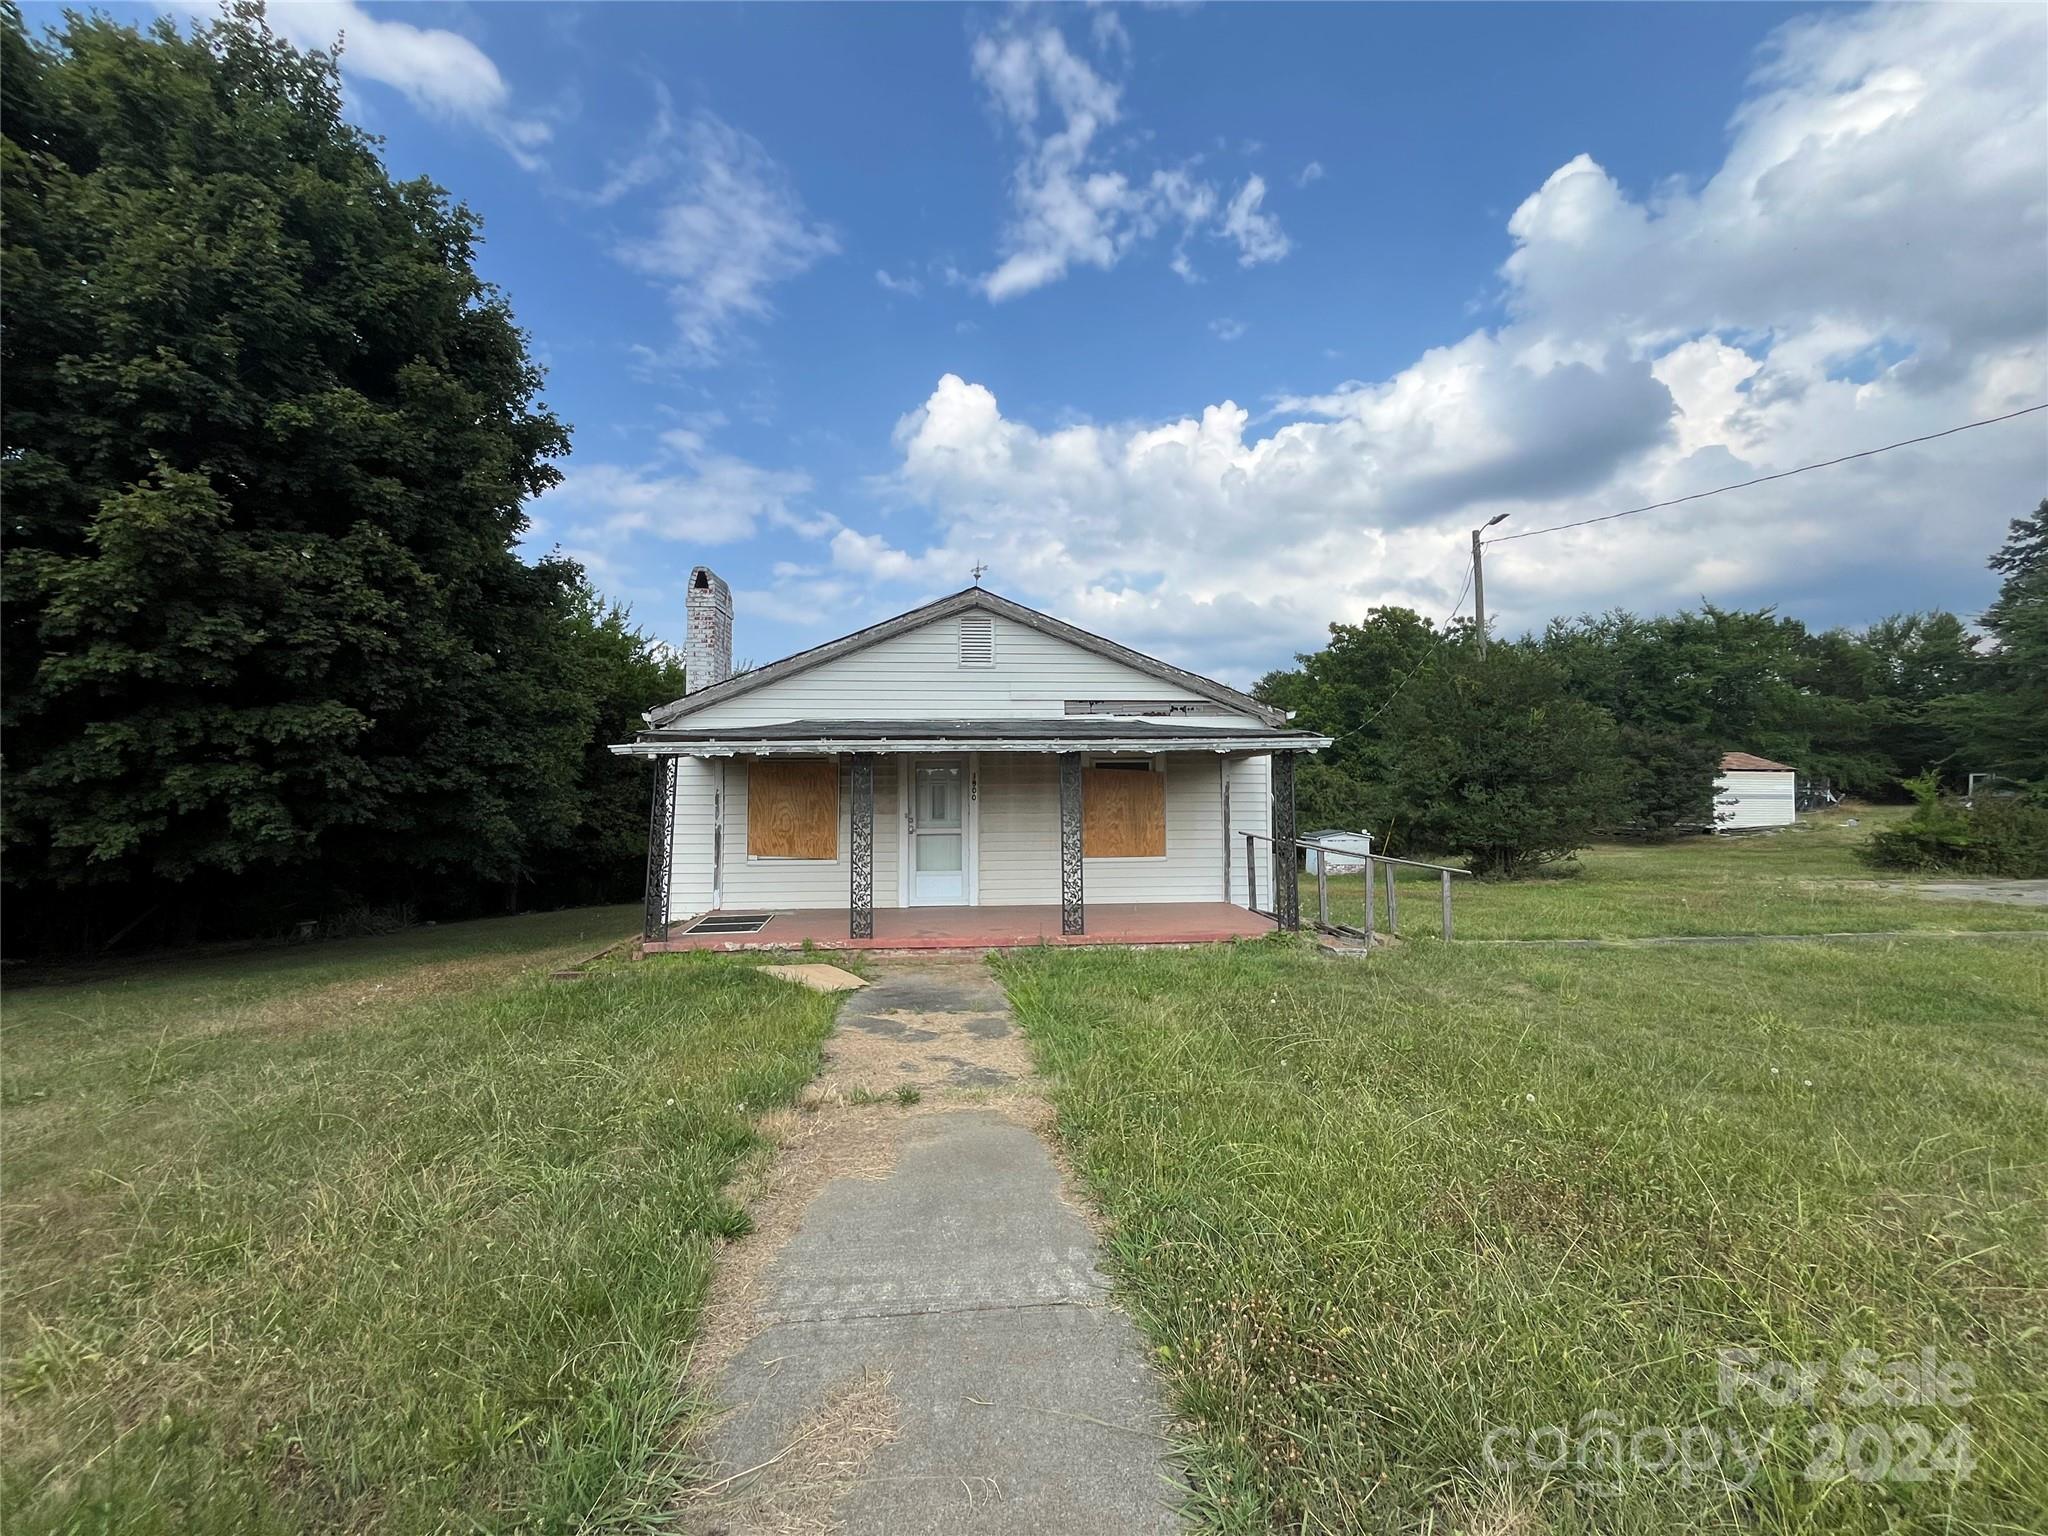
{"points": [[841, 818], [1136, 762]]}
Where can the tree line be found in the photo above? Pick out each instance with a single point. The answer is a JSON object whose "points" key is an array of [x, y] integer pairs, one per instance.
{"points": [[270, 653], [271, 656], [1615, 724]]}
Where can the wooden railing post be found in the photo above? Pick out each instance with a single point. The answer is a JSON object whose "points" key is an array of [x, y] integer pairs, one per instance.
{"points": [[1393, 908], [1446, 877]]}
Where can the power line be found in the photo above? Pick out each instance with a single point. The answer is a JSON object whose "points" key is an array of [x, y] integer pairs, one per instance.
{"points": [[1465, 590], [1782, 474], [1427, 657]]}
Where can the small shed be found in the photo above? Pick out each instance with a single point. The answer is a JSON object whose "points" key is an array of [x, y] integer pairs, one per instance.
{"points": [[1341, 851], [1753, 791]]}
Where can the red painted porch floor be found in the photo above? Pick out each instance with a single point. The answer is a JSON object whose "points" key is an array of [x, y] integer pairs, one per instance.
{"points": [[1166, 922]]}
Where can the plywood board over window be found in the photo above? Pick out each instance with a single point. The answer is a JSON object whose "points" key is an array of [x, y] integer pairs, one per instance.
{"points": [[793, 808], [1123, 814]]}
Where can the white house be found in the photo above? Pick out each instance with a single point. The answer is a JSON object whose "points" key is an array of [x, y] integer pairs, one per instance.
{"points": [[1753, 791], [970, 772]]}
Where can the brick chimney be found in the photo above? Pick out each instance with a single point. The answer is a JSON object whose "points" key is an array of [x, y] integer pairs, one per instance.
{"points": [[707, 645]]}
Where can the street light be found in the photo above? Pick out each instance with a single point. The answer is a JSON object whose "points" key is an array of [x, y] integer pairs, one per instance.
{"points": [[1479, 581]]}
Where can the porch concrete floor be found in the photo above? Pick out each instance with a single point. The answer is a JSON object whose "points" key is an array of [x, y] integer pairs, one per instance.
{"points": [[1164, 922]]}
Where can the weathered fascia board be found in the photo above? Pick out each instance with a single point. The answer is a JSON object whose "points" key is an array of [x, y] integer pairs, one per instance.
{"points": [[973, 598], [938, 744]]}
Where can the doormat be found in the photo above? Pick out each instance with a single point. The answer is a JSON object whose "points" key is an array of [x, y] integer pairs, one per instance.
{"points": [[731, 922]]}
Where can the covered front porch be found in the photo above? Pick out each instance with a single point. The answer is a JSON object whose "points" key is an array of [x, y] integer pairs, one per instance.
{"points": [[968, 834], [999, 927]]}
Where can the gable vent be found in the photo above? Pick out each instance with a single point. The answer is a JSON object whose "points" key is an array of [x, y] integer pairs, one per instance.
{"points": [[977, 640]]}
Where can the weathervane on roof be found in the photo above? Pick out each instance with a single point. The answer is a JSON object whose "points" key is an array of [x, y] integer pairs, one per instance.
{"points": [[980, 571]]}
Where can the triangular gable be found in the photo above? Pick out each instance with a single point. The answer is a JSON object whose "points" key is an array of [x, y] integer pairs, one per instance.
{"points": [[960, 602]]}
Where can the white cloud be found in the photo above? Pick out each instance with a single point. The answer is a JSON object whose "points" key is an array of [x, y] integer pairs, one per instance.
{"points": [[440, 72], [690, 492], [1258, 235], [908, 286], [731, 228], [656, 157], [1227, 329], [1887, 174], [1312, 172], [1070, 203], [1867, 265]]}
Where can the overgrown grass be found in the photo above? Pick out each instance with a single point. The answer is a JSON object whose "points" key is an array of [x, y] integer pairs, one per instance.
{"points": [[1803, 879], [1369, 1210], [394, 1234]]}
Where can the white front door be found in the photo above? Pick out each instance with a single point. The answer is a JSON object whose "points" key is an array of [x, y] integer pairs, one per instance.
{"points": [[938, 830]]}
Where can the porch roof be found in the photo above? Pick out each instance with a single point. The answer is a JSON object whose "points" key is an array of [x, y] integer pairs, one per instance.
{"points": [[808, 738]]}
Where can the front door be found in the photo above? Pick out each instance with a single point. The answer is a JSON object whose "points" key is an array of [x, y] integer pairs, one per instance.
{"points": [[938, 830]]}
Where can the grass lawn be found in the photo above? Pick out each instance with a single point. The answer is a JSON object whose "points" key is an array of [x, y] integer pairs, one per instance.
{"points": [[1804, 879], [391, 1234], [1370, 1210]]}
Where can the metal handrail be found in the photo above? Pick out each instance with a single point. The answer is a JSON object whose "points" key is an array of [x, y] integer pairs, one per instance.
{"points": [[1443, 873]]}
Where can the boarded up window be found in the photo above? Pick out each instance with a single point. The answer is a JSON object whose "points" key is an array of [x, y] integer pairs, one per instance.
{"points": [[792, 809], [1123, 814]]}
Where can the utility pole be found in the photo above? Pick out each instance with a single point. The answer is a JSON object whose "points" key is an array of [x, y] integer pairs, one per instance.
{"points": [[1479, 580], [1479, 592]]}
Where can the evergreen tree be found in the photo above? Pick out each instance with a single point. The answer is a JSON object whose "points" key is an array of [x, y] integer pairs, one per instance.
{"points": [[1494, 760], [2006, 723]]}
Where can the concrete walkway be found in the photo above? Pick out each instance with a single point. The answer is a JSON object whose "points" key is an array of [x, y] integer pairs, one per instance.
{"points": [[2005, 893], [929, 1347]]}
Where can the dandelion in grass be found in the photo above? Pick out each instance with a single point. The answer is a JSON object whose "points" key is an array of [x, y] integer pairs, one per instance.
{"points": [[1530, 1097]]}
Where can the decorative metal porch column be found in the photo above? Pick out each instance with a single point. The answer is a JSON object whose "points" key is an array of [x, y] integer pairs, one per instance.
{"points": [[1071, 915], [861, 924], [661, 839], [1286, 894]]}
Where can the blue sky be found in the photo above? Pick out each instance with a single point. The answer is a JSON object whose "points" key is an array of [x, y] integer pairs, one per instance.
{"points": [[1204, 326]]}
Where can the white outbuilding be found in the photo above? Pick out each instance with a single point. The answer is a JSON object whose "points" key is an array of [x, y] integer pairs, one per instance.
{"points": [[1753, 791]]}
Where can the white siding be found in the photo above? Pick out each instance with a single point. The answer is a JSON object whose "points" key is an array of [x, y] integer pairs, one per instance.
{"points": [[1020, 820], [690, 854], [1756, 800], [917, 675], [1018, 843], [1251, 810], [770, 884], [1192, 869], [1020, 830]]}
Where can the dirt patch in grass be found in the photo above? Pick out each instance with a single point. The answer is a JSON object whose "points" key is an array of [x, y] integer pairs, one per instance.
{"points": [[913, 1050], [1497, 1512], [1515, 1204]]}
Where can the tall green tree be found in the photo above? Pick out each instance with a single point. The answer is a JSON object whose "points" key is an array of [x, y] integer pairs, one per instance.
{"points": [[1631, 668], [1492, 758], [2005, 723], [1915, 663], [265, 444], [1343, 690], [623, 672]]}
